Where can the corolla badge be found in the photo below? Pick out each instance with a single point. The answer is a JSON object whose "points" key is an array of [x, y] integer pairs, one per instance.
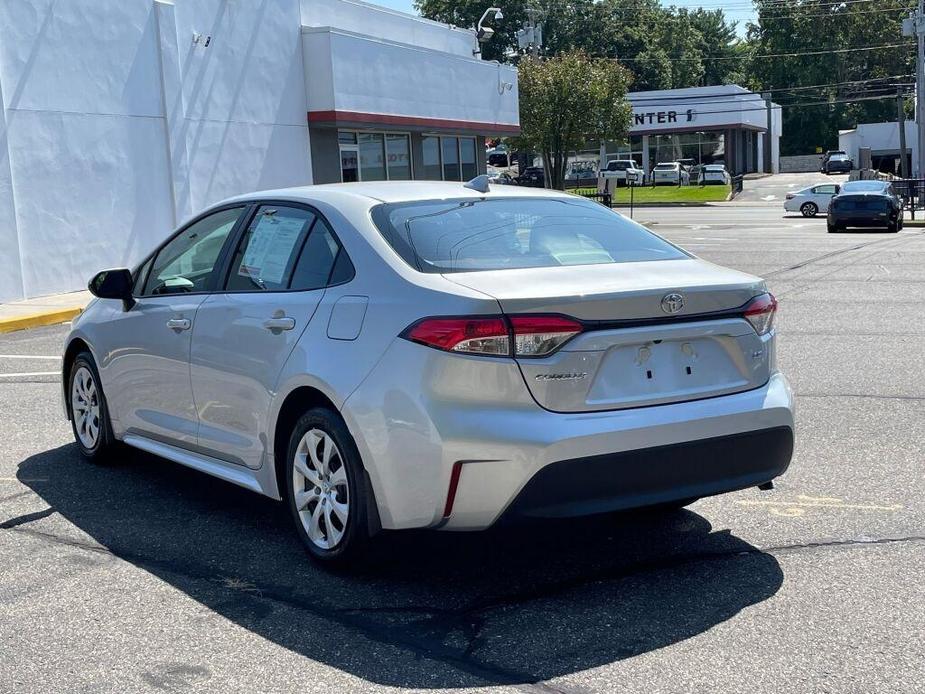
{"points": [[561, 377], [672, 302]]}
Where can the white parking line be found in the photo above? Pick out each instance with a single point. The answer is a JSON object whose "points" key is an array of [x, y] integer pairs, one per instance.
{"points": [[31, 373], [27, 356]]}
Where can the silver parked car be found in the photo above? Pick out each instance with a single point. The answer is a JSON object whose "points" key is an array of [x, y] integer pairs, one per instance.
{"points": [[432, 355]]}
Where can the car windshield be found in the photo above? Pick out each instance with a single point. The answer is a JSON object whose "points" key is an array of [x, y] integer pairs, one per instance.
{"points": [[713, 167], [507, 233], [838, 157], [619, 165], [864, 186]]}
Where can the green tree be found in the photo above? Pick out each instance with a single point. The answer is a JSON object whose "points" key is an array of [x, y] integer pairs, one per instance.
{"points": [[850, 78], [566, 101]]}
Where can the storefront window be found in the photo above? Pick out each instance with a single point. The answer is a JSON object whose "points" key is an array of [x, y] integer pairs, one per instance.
{"points": [[346, 137], [702, 147], [431, 152], [467, 158], [449, 149], [372, 157], [399, 157]]}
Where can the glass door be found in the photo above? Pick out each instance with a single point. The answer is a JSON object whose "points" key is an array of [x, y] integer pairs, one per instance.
{"points": [[349, 163]]}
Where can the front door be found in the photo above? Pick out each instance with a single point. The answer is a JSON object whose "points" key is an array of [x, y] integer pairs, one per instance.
{"points": [[245, 333], [147, 375]]}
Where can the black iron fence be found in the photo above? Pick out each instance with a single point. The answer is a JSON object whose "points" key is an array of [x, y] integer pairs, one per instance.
{"points": [[737, 182], [912, 193]]}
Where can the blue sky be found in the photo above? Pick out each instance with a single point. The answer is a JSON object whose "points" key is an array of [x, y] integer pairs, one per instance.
{"points": [[736, 14]]}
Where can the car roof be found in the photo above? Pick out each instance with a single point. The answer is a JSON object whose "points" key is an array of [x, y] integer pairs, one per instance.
{"points": [[371, 193]]}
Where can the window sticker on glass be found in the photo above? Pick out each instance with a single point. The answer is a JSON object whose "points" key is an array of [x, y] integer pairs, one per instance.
{"points": [[273, 242]]}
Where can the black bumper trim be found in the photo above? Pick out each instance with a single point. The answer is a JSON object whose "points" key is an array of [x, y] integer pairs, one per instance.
{"points": [[648, 476]]}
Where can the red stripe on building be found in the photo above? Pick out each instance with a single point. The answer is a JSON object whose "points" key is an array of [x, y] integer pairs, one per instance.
{"points": [[353, 117]]}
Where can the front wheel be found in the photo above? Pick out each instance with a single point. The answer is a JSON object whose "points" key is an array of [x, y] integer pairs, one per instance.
{"points": [[809, 209], [87, 407], [326, 488], [893, 227]]}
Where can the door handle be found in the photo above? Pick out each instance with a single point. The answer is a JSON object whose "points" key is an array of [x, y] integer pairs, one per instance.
{"points": [[279, 323], [179, 324]]}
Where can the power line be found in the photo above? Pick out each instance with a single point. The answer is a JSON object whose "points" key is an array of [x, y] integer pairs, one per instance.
{"points": [[778, 55], [685, 99], [830, 102]]}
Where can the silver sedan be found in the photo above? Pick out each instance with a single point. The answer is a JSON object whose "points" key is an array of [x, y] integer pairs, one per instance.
{"points": [[432, 355]]}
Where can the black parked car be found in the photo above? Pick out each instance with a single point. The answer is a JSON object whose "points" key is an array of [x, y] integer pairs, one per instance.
{"points": [[838, 162], [533, 177], [828, 155], [865, 204]]}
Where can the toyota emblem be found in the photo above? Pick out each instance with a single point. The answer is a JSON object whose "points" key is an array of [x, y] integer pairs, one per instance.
{"points": [[673, 302]]}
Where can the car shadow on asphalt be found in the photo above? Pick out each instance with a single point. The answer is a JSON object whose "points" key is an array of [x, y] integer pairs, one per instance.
{"points": [[512, 605]]}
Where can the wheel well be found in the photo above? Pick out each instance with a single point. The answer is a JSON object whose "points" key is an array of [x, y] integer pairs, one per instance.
{"points": [[75, 347], [294, 406]]}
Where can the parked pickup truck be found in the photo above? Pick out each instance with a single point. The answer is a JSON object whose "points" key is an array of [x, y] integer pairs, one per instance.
{"points": [[617, 172]]}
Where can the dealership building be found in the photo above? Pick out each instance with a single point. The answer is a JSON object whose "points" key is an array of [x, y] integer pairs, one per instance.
{"points": [[121, 118], [723, 124]]}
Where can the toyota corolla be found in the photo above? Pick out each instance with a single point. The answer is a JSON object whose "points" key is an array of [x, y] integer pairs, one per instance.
{"points": [[432, 355]]}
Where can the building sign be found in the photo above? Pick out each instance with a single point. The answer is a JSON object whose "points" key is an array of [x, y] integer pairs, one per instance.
{"points": [[663, 117]]}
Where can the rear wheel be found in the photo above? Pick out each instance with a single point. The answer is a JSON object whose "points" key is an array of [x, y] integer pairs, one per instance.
{"points": [[893, 227], [831, 228], [326, 488], [809, 209], [87, 407]]}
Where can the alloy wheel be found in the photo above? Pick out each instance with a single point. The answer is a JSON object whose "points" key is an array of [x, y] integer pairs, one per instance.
{"points": [[321, 489], [85, 407]]}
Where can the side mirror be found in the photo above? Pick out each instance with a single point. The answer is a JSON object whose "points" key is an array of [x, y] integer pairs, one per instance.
{"points": [[113, 284]]}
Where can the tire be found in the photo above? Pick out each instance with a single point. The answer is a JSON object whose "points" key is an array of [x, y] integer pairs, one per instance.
{"points": [[893, 227], [809, 209], [331, 534], [831, 228], [89, 414]]}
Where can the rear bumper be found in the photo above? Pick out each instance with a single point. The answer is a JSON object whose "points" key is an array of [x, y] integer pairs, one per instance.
{"points": [[637, 478], [860, 220], [440, 414]]}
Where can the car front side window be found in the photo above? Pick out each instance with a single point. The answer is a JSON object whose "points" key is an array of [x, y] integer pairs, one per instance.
{"points": [[186, 263]]}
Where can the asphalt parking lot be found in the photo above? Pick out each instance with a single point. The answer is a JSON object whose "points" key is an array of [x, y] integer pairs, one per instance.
{"points": [[146, 576]]}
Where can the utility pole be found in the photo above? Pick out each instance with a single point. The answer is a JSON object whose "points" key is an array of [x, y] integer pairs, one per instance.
{"points": [[901, 119], [915, 25], [768, 164], [530, 38]]}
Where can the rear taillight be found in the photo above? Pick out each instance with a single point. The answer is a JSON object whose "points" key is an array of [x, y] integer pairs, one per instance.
{"points": [[519, 336], [472, 335], [537, 336], [760, 313]]}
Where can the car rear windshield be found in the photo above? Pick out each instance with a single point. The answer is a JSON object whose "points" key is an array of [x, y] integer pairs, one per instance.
{"points": [[665, 167], [865, 203], [443, 236], [864, 186]]}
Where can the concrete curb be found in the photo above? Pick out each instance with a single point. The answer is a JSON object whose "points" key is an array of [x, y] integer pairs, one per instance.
{"points": [[38, 319]]}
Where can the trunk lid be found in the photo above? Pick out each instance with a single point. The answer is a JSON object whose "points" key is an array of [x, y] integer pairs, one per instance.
{"points": [[633, 352]]}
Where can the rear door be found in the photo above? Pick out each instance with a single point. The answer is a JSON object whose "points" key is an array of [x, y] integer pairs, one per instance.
{"points": [[822, 195], [147, 373], [275, 278]]}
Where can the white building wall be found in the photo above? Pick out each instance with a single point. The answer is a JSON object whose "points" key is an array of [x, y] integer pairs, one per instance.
{"points": [[358, 73], [381, 22], [114, 126]]}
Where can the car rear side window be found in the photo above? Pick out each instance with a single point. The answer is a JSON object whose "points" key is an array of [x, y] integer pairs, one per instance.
{"points": [[507, 233], [284, 248]]}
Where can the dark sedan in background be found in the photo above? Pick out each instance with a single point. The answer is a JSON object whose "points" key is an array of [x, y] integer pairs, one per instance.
{"points": [[865, 204], [837, 163]]}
